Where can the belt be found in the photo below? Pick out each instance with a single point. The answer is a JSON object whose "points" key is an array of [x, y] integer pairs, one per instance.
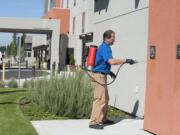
{"points": [[100, 73]]}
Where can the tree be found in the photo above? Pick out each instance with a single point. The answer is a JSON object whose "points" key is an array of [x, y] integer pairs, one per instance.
{"points": [[23, 53], [8, 51], [13, 46], [2, 49]]}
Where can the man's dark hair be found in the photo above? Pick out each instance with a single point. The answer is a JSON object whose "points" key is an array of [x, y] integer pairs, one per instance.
{"points": [[108, 34]]}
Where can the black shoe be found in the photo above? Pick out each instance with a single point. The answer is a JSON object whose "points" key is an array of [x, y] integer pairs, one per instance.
{"points": [[97, 126], [109, 122]]}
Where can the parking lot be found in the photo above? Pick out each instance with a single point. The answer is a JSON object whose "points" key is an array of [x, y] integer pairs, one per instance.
{"points": [[24, 73]]}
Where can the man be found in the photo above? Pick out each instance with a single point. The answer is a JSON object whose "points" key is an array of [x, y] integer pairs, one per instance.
{"points": [[103, 62]]}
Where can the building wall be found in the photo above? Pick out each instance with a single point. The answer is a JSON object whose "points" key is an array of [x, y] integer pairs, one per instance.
{"points": [[57, 12], [60, 14], [28, 40], [131, 27], [46, 8], [49, 4], [163, 75], [86, 6], [39, 39], [129, 19]]}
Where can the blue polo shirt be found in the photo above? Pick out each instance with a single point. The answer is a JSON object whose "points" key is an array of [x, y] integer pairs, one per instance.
{"points": [[104, 53]]}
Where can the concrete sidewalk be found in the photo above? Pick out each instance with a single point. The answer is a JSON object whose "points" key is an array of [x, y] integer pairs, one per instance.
{"points": [[80, 127]]}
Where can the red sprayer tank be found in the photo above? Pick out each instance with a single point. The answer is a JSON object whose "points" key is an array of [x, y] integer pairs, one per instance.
{"points": [[91, 57]]}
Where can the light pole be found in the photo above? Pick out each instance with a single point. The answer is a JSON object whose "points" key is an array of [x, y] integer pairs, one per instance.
{"points": [[19, 60]]}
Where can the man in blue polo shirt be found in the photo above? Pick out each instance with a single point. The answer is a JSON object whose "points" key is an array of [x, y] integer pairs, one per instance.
{"points": [[103, 62]]}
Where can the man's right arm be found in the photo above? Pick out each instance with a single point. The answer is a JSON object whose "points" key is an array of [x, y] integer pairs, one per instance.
{"points": [[120, 61], [116, 61]]}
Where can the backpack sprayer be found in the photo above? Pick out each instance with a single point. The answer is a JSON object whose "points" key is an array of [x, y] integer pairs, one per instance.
{"points": [[89, 63]]}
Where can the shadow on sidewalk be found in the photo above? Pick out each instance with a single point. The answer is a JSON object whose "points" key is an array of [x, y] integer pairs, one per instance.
{"points": [[116, 120]]}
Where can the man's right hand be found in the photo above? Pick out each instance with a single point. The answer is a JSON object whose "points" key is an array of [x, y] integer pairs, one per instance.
{"points": [[130, 61]]}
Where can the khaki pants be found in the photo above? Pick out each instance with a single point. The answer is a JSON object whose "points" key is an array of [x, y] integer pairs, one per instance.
{"points": [[101, 98]]}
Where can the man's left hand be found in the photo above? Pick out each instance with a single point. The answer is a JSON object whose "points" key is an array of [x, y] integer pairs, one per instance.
{"points": [[113, 76]]}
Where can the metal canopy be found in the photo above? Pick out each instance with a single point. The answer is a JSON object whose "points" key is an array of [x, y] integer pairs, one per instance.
{"points": [[31, 31]]}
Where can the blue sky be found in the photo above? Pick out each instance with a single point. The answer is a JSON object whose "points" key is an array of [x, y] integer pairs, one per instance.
{"points": [[19, 8]]}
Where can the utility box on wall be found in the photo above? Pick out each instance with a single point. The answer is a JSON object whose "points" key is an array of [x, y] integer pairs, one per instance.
{"points": [[162, 103]]}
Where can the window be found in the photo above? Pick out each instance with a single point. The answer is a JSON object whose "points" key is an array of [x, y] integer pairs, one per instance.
{"points": [[101, 5], [74, 2], [70, 56], [29, 54], [52, 3], [67, 3], [35, 53], [28, 46], [74, 24], [83, 22], [62, 3], [136, 3]]}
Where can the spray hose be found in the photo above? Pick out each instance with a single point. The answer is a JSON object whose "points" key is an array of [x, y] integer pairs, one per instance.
{"points": [[87, 71]]}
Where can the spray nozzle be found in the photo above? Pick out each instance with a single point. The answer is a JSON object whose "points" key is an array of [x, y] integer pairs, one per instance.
{"points": [[137, 61], [132, 61]]}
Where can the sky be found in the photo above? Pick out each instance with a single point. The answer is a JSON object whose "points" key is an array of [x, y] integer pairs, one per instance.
{"points": [[19, 9]]}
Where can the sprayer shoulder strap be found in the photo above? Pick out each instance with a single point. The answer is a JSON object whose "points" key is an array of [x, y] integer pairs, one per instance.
{"points": [[99, 62]]}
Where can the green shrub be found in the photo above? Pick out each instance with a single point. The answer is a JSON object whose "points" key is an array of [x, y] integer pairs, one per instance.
{"points": [[26, 84], [70, 59], [38, 83], [12, 83], [31, 83], [68, 96], [2, 84]]}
